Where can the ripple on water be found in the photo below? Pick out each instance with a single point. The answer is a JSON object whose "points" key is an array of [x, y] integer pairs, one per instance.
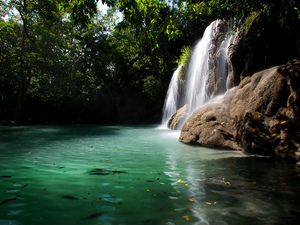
{"points": [[164, 181]]}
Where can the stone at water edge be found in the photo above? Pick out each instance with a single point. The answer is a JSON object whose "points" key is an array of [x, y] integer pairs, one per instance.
{"points": [[211, 126], [261, 105], [177, 117]]}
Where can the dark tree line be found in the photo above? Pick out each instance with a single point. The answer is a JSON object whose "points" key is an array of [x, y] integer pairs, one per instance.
{"points": [[61, 60]]}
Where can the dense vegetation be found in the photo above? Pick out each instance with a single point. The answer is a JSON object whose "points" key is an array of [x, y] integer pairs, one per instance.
{"points": [[62, 60]]}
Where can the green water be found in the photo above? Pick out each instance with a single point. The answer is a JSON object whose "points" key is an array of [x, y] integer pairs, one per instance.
{"points": [[79, 174]]}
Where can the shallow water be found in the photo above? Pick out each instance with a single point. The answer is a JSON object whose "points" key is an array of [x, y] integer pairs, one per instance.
{"points": [[79, 174]]}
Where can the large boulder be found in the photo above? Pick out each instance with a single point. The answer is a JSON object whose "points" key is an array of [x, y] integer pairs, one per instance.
{"points": [[260, 116], [265, 92], [211, 125]]}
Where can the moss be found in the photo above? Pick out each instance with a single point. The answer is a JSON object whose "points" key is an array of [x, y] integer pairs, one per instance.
{"points": [[251, 19]]}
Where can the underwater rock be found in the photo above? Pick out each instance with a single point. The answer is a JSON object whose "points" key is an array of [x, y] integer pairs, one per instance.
{"points": [[70, 197], [99, 171]]}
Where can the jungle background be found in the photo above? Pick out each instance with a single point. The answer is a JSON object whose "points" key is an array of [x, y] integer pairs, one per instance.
{"points": [[65, 61]]}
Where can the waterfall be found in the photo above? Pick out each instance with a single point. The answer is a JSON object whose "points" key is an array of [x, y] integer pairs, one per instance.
{"points": [[207, 73], [171, 101], [198, 70]]}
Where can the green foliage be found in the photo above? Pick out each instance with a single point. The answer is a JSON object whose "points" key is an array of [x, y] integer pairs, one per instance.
{"points": [[81, 11], [183, 60], [151, 86], [152, 20], [3, 8], [9, 60], [62, 53], [46, 57]]}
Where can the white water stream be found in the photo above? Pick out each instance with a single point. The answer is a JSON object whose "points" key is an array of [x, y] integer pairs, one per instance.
{"points": [[198, 70], [195, 91], [170, 106]]}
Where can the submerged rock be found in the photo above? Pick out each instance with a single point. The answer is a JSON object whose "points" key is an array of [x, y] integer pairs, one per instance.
{"points": [[260, 116], [98, 171], [70, 197]]}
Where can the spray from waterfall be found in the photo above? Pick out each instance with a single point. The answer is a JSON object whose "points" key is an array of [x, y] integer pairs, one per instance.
{"points": [[206, 76]]}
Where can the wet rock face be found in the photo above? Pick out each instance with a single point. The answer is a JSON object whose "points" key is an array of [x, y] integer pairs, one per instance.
{"points": [[218, 64], [259, 116], [177, 117]]}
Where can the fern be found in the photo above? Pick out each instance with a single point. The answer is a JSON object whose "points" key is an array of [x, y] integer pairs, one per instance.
{"points": [[183, 60]]}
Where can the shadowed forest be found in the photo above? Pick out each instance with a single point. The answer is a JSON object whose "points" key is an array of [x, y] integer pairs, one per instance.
{"points": [[65, 61]]}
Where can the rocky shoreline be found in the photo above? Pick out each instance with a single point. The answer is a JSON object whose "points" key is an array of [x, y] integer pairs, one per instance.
{"points": [[259, 116]]}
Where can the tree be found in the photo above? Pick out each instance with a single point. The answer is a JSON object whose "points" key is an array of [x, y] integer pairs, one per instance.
{"points": [[62, 54], [34, 15], [8, 63], [152, 23]]}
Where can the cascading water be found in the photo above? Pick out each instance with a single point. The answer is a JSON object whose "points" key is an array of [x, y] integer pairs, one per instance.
{"points": [[170, 106], [206, 74], [198, 70]]}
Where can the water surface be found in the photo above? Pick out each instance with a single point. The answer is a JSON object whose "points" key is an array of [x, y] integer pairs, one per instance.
{"points": [[79, 174]]}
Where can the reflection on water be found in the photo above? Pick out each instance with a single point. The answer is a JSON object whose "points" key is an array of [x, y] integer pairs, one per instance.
{"points": [[136, 175]]}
